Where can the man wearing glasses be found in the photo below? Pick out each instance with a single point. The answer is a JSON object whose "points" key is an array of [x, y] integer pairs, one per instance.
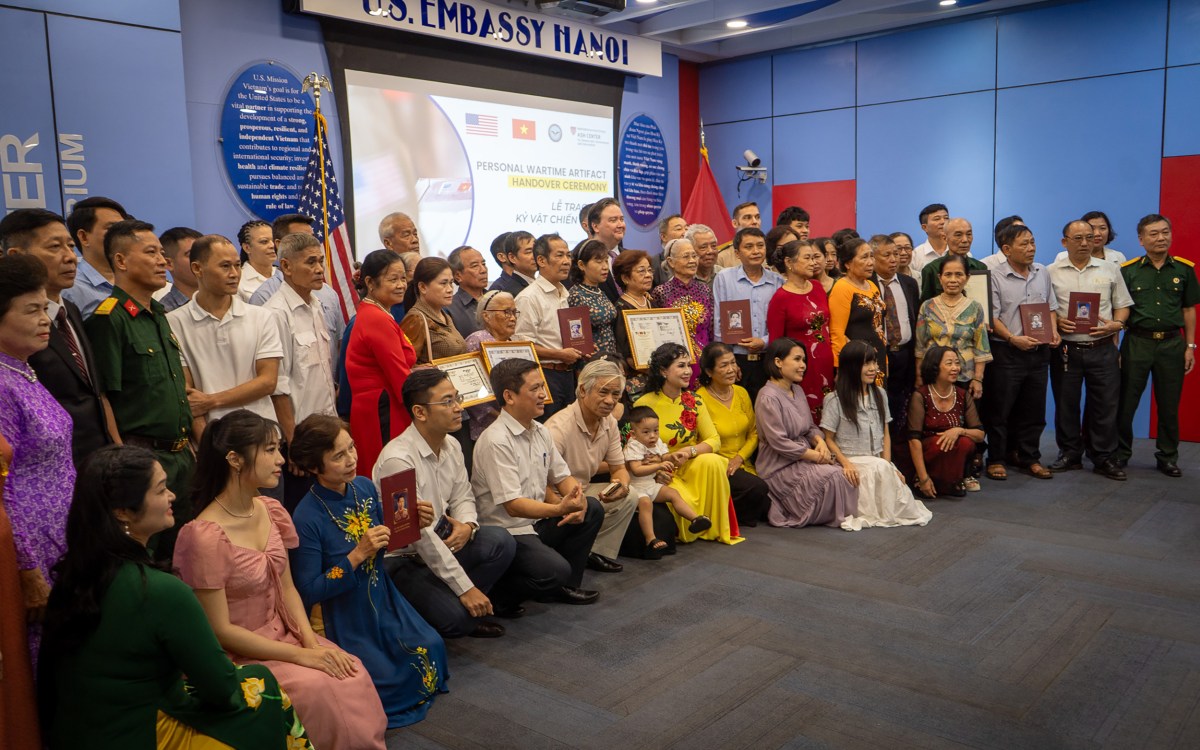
{"points": [[447, 573], [515, 461]]}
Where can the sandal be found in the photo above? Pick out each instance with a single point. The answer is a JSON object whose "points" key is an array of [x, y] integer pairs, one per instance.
{"points": [[997, 472], [971, 484], [700, 524], [1037, 471], [655, 548]]}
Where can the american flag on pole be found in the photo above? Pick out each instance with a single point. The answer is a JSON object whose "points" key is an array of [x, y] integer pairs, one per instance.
{"points": [[320, 199]]}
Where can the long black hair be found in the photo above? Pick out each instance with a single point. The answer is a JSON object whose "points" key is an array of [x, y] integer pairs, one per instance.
{"points": [[243, 432], [660, 360], [849, 386], [115, 477]]}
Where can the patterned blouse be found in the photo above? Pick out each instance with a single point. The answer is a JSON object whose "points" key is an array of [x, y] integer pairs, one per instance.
{"points": [[961, 328], [856, 315], [696, 301], [602, 314]]}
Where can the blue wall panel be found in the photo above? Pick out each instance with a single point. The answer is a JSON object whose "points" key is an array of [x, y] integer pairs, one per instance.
{"points": [[28, 145], [816, 147], [725, 146], [1183, 40], [658, 98], [1181, 136], [1077, 40], [813, 79], [745, 90], [1054, 163], [928, 62], [159, 14], [911, 154], [135, 145]]}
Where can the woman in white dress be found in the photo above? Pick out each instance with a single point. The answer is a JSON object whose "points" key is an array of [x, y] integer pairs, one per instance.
{"points": [[855, 421]]}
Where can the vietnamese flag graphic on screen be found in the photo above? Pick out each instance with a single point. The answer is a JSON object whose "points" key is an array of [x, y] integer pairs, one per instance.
{"points": [[526, 129]]}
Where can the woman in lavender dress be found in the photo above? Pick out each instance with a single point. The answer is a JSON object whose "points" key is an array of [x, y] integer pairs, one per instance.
{"points": [[41, 478]]}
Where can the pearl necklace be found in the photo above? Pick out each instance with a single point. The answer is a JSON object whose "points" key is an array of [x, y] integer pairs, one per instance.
{"points": [[230, 512], [644, 304], [723, 398], [948, 395], [27, 373]]}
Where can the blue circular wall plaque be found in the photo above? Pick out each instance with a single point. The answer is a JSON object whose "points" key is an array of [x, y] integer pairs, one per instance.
{"points": [[642, 170]]}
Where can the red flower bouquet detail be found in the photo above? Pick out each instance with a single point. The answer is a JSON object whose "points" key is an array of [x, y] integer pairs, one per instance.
{"points": [[687, 418]]}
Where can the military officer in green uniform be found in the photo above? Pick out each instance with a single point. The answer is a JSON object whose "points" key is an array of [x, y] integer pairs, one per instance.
{"points": [[1160, 341], [137, 361]]}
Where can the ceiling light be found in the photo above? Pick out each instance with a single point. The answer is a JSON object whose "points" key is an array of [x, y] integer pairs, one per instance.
{"points": [[646, 2], [947, 3], [737, 24]]}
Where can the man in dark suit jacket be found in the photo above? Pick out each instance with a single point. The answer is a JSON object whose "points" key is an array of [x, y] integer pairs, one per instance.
{"points": [[607, 223], [66, 366], [903, 298]]}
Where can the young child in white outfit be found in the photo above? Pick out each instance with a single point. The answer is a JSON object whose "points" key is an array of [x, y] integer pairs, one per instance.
{"points": [[644, 456]]}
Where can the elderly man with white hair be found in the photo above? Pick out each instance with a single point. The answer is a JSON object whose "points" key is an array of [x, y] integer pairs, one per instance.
{"points": [[704, 241], [398, 233], [587, 436]]}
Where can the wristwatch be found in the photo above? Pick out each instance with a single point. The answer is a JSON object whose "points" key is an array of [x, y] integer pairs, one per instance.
{"points": [[694, 447], [474, 528], [1191, 346]]}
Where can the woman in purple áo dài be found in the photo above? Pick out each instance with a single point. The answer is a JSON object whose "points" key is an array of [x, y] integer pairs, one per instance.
{"points": [[688, 294]]}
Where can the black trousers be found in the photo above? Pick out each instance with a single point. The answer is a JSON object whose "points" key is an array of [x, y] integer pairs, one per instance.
{"points": [[562, 390], [754, 375], [1016, 387], [484, 559], [902, 377], [555, 556], [1098, 367], [750, 500]]}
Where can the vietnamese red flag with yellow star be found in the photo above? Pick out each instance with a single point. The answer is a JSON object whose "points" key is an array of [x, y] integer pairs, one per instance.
{"points": [[525, 129]]}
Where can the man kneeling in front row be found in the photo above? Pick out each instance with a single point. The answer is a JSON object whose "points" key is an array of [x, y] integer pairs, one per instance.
{"points": [[445, 577], [515, 461]]}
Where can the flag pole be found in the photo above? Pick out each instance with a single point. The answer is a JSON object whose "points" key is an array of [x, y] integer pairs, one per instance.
{"points": [[314, 83]]}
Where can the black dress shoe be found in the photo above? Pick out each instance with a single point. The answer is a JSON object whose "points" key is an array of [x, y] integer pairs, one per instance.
{"points": [[1120, 463], [508, 611], [1065, 464], [602, 564], [1169, 468], [487, 629], [570, 595], [1110, 470]]}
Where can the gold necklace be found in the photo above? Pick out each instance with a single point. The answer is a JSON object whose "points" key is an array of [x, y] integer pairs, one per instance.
{"points": [[728, 396], [372, 301], [217, 499]]}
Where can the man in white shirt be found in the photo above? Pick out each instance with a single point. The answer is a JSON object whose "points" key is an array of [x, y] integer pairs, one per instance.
{"points": [[1102, 234], [515, 461], [88, 222], [538, 305], [230, 351], [933, 220], [445, 578], [1090, 358]]}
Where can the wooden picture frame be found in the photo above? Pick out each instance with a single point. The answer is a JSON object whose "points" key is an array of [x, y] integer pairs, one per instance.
{"points": [[469, 375], [979, 288], [495, 352], [650, 329]]}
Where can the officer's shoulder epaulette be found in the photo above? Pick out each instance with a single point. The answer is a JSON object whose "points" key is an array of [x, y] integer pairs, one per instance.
{"points": [[1131, 261], [1184, 261], [106, 306]]}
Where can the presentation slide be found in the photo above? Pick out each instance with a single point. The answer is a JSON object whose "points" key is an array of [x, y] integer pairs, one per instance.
{"points": [[469, 163]]}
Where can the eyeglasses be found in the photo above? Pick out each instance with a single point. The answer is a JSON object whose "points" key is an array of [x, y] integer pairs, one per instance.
{"points": [[514, 314], [455, 400], [1082, 237]]}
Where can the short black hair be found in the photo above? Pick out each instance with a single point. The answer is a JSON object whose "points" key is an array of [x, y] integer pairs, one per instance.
{"points": [[790, 214], [1005, 223], [171, 238], [709, 357], [1067, 226], [204, 247], [905, 235], [932, 362], [19, 274], [740, 236], [1149, 219], [639, 413], [1112, 233], [509, 375], [541, 246], [418, 385], [738, 208], [279, 227], [778, 349], [18, 227], [499, 246], [932, 208], [584, 210], [665, 224], [1010, 233], [512, 242], [597, 208], [83, 214], [123, 230]]}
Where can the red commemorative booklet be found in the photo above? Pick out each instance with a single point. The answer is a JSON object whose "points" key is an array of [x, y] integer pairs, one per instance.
{"points": [[575, 324], [1083, 309], [1035, 319], [735, 321], [399, 498]]}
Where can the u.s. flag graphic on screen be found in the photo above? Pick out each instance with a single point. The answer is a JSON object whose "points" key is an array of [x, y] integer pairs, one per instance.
{"points": [[482, 125]]}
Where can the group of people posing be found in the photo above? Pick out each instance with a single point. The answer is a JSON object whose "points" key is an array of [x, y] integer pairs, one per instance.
{"points": [[192, 540]]}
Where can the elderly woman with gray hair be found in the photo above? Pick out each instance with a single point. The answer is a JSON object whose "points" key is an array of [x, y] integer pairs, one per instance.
{"points": [[497, 315], [690, 295], [588, 437]]}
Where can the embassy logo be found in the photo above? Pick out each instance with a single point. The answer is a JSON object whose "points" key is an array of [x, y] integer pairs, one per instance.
{"points": [[555, 132]]}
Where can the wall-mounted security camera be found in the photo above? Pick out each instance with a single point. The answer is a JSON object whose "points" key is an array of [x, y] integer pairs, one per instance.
{"points": [[753, 169]]}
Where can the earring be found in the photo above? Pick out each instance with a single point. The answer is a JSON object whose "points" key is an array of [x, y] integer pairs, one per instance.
{"points": [[126, 525]]}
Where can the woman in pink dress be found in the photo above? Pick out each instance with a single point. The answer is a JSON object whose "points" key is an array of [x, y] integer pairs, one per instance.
{"points": [[800, 310], [234, 555]]}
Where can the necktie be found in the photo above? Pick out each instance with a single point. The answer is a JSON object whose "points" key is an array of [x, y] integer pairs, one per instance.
{"points": [[64, 328], [892, 330], [612, 255]]}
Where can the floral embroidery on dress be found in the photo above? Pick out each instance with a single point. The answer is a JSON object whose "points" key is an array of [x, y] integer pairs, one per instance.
{"points": [[335, 573], [426, 668], [252, 691], [687, 418], [816, 326]]}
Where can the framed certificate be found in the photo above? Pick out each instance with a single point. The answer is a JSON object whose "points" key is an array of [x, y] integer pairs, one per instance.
{"points": [[650, 329], [469, 376], [495, 352], [979, 288]]}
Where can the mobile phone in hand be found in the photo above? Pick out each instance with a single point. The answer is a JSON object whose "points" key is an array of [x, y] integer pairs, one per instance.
{"points": [[610, 490], [444, 528]]}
